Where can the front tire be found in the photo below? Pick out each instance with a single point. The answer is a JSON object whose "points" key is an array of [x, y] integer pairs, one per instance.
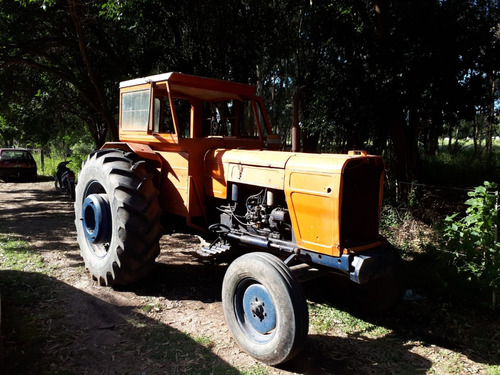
{"points": [[117, 217], [265, 308]]}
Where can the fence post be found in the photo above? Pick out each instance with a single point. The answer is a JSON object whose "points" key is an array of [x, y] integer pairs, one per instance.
{"points": [[42, 160]]}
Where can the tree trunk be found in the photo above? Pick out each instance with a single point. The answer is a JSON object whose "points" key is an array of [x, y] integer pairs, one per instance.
{"points": [[431, 139], [295, 125], [404, 138], [475, 133], [491, 118], [310, 141]]}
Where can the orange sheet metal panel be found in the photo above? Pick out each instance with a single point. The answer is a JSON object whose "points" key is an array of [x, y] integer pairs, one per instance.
{"points": [[260, 158], [181, 194], [266, 177], [175, 182], [253, 167], [215, 180], [312, 190]]}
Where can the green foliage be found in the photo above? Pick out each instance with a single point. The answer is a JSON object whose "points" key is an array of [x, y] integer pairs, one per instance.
{"points": [[473, 239], [56, 152], [368, 75], [203, 341], [7, 132], [389, 218], [79, 153], [460, 169], [257, 369], [493, 370]]}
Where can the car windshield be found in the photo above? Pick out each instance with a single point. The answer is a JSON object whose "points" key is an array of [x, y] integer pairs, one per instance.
{"points": [[15, 155]]}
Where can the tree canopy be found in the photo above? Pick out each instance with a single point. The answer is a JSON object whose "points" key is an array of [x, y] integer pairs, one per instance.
{"points": [[388, 76]]}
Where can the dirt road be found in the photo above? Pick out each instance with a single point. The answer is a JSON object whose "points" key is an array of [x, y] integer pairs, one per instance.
{"points": [[169, 323], [107, 327]]}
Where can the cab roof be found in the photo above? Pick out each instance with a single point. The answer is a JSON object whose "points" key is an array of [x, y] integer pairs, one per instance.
{"points": [[194, 85]]}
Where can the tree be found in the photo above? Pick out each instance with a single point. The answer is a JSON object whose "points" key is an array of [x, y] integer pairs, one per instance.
{"points": [[64, 41], [385, 76]]}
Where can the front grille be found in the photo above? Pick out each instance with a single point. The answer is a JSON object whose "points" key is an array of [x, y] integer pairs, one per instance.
{"points": [[360, 202]]}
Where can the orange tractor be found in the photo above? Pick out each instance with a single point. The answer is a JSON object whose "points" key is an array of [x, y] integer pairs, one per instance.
{"points": [[201, 151]]}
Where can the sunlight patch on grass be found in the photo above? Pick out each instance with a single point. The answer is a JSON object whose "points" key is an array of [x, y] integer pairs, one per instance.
{"points": [[493, 370], [203, 341], [445, 361], [152, 306], [16, 255], [257, 369], [324, 318]]}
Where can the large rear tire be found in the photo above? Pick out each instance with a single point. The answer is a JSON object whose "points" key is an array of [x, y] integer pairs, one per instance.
{"points": [[265, 308], [117, 217]]}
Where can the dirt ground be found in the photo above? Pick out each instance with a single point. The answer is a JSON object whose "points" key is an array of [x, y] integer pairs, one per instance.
{"points": [[171, 322]]}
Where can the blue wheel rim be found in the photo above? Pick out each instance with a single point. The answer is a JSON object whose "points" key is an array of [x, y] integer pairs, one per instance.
{"points": [[96, 219], [255, 310]]}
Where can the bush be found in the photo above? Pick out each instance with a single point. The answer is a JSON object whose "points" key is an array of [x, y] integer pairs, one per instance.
{"points": [[473, 238], [79, 153]]}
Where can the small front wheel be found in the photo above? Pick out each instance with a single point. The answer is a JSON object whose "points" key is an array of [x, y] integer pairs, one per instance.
{"points": [[265, 308]]}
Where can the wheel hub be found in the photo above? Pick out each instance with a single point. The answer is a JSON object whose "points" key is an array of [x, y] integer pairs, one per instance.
{"points": [[96, 219], [259, 308]]}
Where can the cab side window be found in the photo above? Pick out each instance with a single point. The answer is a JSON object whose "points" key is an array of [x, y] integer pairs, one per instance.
{"points": [[248, 125], [183, 111], [163, 122], [135, 110]]}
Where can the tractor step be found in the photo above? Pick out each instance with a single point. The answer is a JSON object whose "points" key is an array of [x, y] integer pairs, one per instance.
{"points": [[213, 251]]}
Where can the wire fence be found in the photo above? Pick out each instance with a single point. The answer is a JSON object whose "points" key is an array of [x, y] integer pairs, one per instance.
{"points": [[421, 219]]}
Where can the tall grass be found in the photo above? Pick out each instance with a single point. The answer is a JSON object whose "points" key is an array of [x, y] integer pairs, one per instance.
{"points": [[54, 156], [49, 165], [460, 166]]}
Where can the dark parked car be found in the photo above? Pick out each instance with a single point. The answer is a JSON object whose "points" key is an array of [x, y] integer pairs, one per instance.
{"points": [[18, 163]]}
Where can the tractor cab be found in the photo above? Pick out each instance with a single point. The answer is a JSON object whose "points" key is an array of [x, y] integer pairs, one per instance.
{"points": [[171, 108]]}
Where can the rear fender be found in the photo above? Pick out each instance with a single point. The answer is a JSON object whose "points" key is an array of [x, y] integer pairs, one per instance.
{"points": [[144, 151]]}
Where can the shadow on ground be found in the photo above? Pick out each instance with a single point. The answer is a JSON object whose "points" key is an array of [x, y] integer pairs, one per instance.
{"points": [[429, 324], [323, 353], [45, 332], [432, 323], [36, 212]]}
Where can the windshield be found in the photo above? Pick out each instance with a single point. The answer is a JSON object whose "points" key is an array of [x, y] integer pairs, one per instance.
{"points": [[226, 118], [229, 118], [15, 155]]}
